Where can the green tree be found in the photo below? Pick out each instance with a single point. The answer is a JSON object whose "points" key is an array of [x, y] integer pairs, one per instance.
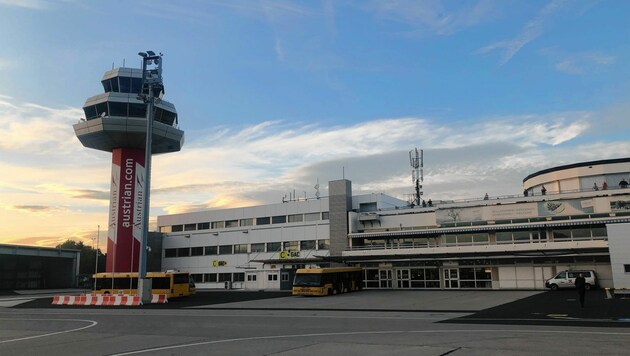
{"points": [[88, 256]]}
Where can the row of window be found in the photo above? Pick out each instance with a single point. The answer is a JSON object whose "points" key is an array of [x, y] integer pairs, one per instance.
{"points": [[525, 220], [122, 85], [233, 277], [412, 278], [124, 109], [466, 277], [248, 248], [502, 237], [266, 220]]}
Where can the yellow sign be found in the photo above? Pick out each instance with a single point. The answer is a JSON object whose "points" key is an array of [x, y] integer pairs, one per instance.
{"points": [[216, 263], [289, 254]]}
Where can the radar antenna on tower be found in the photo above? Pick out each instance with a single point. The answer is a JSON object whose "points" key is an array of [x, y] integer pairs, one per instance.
{"points": [[416, 159]]}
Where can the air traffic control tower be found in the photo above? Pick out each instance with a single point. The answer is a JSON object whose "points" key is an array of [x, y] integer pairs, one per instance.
{"points": [[117, 122]]}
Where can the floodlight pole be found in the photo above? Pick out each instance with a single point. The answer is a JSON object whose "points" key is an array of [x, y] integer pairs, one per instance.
{"points": [[98, 235], [148, 79]]}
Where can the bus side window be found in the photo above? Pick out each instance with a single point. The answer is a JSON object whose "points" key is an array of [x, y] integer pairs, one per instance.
{"points": [[161, 283]]}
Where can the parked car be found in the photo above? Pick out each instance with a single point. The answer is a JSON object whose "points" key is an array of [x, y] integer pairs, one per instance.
{"points": [[566, 279]]}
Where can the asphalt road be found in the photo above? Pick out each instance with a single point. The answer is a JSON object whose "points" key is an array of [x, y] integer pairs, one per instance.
{"points": [[246, 323]]}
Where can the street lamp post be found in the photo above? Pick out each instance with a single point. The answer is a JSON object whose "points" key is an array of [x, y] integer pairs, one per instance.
{"points": [[152, 81], [98, 235]]}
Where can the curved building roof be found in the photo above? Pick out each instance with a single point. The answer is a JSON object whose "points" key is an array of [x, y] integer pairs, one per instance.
{"points": [[577, 165]]}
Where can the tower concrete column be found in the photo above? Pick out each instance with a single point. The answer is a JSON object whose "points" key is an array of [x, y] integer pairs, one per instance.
{"points": [[126, 206]]}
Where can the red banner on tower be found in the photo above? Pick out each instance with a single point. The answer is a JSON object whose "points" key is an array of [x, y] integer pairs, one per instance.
{"points": [[126, 210]]}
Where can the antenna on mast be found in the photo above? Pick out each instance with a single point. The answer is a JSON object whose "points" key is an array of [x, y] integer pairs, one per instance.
{"points": [[416, 159]]}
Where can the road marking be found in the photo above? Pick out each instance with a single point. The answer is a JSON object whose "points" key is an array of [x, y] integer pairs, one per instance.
{"points": [[364, 333], [153, 312], [92, 323]]}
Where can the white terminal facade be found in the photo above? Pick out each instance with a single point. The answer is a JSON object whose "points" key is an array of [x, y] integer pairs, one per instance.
{"points": [[514, 242]]}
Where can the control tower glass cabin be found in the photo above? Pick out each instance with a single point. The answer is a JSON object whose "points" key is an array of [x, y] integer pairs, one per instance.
{"points": [[115, 121]]}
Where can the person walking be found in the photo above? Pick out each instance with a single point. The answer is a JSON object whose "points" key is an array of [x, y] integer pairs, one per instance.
{"points": [[580, 285]]}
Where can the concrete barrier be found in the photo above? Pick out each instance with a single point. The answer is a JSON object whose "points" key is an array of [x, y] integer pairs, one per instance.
{"points": [[99, 299], [159, 299]]}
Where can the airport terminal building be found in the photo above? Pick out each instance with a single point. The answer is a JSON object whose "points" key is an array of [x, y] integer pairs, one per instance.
{"points": [[569, 217]]}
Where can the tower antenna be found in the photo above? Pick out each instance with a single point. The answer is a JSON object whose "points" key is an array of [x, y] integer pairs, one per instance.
{"points": [[416, 159]]}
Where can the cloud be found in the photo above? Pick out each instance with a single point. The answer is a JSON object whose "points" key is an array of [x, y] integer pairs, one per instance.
{"points": [[60, 189], [275, 158], [34, 128], [34, 208], [432, 16], [91, 194], [532, 30], [6, 64], [27, 4], [584, 63]]}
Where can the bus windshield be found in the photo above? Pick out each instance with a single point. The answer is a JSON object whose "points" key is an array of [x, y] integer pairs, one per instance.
{"points": [[307, 280]]}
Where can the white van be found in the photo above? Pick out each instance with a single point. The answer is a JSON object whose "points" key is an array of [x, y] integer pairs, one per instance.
{"points": [[566, 279]]}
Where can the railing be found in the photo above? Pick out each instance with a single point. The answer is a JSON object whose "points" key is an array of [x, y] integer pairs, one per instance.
{"points": [[408, 245], [511, 196]]}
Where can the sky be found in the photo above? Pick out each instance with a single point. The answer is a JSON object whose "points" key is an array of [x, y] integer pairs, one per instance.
{"points": [[275, 96]]}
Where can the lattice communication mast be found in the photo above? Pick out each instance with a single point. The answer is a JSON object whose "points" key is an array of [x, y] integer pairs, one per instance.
{"points": [[416, 159]]}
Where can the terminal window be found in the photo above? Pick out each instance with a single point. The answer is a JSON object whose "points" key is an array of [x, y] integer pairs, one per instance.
{"points": [[263, 221], [247, 222], [259, 247], [273, 246], [225, 250]]}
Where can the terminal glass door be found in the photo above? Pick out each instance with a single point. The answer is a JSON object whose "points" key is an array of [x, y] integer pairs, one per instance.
{"points": [[451, 278], [385, 277], [402, 278]]}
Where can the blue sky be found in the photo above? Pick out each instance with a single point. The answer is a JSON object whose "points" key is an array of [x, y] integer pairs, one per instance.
{"points": [[274, 95]]}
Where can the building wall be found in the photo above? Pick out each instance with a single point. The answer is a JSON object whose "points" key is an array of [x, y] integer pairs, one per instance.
{"points": [[244, 260], [580, 177], [404, 241], [619, 242], [340, 195], [30, 267]]}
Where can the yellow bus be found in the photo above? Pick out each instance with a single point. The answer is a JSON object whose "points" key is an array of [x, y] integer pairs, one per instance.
{"points": [[173, 284], [327, 281]]}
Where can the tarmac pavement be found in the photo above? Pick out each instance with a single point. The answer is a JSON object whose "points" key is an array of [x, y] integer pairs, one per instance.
{"points": [[371, 322], [483, 307]]}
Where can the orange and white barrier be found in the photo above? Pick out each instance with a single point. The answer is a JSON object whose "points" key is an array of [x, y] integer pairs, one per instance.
{"points": [[159, 299], [105, 300]]}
